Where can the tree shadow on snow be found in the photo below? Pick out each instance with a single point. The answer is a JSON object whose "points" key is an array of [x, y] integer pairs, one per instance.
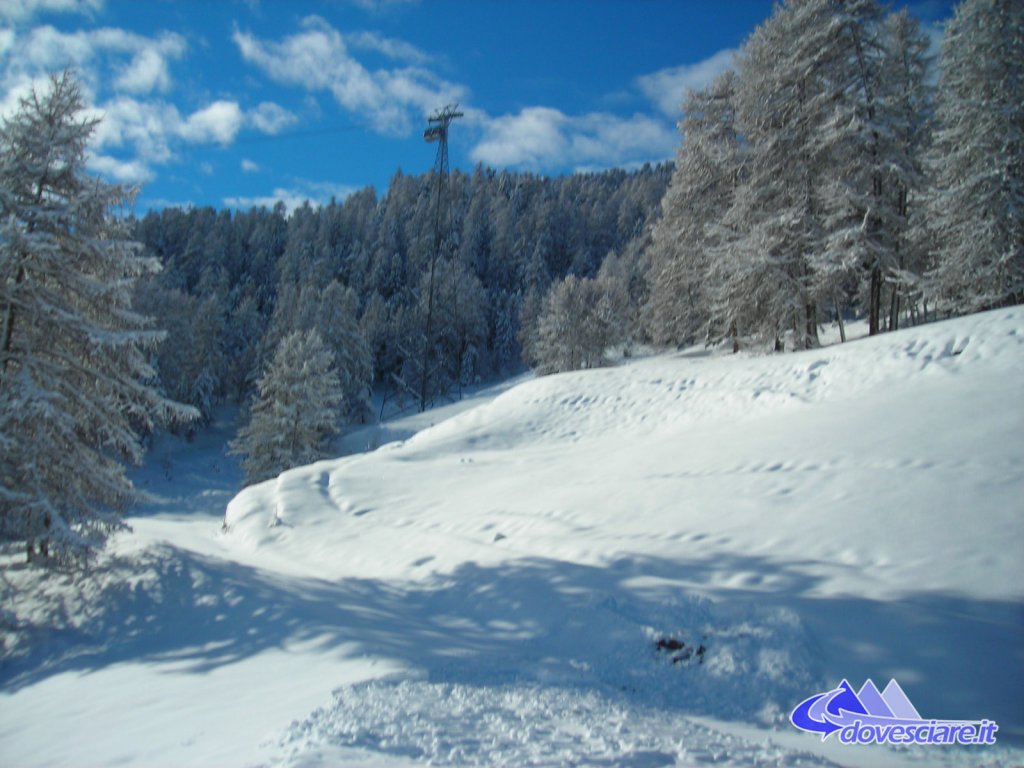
{"points": [[555, 622]]}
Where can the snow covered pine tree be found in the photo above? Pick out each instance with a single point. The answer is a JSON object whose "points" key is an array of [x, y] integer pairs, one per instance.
{"points": [[73, 363], [297, 409], [976, 209]]}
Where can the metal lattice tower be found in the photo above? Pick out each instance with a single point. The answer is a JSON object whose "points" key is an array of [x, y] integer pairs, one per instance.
{"points": [[437, 130]]}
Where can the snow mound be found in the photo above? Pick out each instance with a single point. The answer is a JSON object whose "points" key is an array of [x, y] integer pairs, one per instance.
{"points": [[862, 456]]}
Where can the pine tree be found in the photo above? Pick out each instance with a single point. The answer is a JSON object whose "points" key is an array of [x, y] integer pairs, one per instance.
{"points": [[976, 210], [461, 324], [910, 103], [815, 219], [577, 325], [337, 321], [703, 186], [296, 410], [623, 288], [73, 367], [774, 228]]}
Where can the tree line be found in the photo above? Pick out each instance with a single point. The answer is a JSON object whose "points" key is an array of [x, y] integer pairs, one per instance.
{"points": [[114, 326], [365, 278], [827, 176]]}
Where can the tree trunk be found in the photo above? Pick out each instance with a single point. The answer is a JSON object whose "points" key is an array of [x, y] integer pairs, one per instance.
{"points": [[811, 327], [19, 278], [894, 308], [875, 301], [839, 319]]}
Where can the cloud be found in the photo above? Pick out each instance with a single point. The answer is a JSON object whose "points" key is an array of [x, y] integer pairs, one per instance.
{"points": [[159, 203], [123, 76], [667, 88], [124, 171], [248, 166], [6, 40], [533, 137], [17, 87], [22, 10], [149, 127], [270, 118], [153, 128], [393, 48], [314, 192], [381, 5], [148, 70], [319, 59], [219, 122], [539, 137], [46, 49]]}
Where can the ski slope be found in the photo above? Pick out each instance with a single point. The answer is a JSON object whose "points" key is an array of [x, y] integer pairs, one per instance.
{"points": [[492, 589]]}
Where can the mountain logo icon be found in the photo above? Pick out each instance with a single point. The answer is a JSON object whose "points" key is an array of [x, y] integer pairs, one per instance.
{"points": [[870, 716]]}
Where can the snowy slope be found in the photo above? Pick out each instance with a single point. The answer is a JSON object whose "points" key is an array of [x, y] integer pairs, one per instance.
{"points": [[491, 590]]}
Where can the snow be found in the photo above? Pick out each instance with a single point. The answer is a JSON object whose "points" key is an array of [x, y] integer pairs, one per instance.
{"points": [[490, 588]]}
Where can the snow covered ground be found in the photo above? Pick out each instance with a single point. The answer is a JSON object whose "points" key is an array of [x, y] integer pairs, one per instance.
{"points": [[492, 589]]}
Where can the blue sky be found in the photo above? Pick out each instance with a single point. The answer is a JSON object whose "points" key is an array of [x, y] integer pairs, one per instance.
{"points": [[241, 102]]}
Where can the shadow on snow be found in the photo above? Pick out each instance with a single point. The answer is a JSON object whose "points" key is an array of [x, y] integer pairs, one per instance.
{"points": [[556, 622]]}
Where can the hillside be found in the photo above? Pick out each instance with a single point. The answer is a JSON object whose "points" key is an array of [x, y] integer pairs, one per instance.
{"points": [[643, 565]]}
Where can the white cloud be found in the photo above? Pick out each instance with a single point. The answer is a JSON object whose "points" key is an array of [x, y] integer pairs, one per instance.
{"points": [[103, 57], [319, 59], [316, 193], [538, 137], [124, 171], [387, 46], [148, 126], [667, 88], [152, 128], [22, 10], [219, 122], [533, 137], [248, 166], [16, 88], [46, 49], [270, 118], [614, 140], [148, 70], [6, 40], [159, 203], [382, 5], [122, 76]]}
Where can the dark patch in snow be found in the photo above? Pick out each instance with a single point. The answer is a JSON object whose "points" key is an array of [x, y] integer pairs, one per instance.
{"points": [[679, 652]]}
